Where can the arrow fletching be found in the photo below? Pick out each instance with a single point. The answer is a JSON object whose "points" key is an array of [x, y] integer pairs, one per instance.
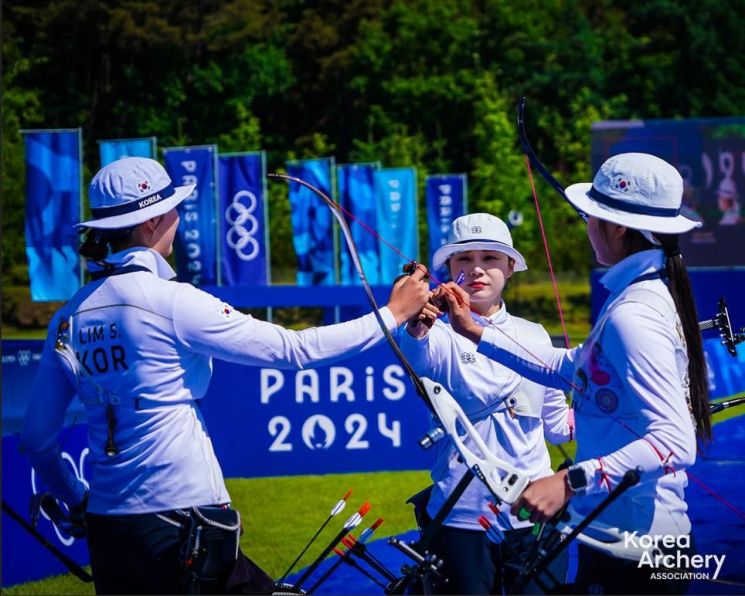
{"points": [[355, 519], [501, 515], [365, 536], [339, 507], [493, 532], [376, 525], [348, 541]]}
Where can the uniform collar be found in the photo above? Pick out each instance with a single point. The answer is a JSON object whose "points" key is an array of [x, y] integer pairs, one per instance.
{"points": [[139, 256], [498, 318], [622, 273]]}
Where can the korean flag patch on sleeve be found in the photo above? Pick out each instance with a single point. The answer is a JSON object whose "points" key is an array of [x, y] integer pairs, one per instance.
{"points": [[226, 310]]}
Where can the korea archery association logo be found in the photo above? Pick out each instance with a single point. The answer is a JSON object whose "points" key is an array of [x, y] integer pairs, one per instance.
{"points": [[243, 225], [669, 557]]}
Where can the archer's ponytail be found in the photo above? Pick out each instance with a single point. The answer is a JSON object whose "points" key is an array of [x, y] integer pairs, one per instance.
{"points": [[679, 285], [98, 243]]}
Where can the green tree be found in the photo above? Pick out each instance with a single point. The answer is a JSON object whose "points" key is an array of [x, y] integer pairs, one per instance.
{"points": [[426, 83], [21, 108]]}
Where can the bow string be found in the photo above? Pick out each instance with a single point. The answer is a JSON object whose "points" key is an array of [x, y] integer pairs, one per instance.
{"points": [[532, 159]]}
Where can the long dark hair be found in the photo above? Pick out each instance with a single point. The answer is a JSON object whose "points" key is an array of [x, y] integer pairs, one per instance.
{"points": [[679, 285], [98, 243]]}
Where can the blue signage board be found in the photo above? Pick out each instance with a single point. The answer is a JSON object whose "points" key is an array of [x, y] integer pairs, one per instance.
{"points": [[24, 558], [358, 415], [708, 153]]}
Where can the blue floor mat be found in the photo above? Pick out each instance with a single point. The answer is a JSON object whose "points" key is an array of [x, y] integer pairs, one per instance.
{"points": [[717, 529], [347, 580]]}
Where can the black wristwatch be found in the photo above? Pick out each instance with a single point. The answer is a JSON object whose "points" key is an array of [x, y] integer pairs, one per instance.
{"points": [[577, 479]]}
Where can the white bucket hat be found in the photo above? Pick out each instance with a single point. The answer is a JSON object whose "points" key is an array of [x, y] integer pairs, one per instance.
{"points": [[478, 231], [130, 191], [636, 190]]}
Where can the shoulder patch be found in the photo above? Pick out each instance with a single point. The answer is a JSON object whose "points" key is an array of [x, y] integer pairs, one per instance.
{"points": [[467, 358], [226, 310]]}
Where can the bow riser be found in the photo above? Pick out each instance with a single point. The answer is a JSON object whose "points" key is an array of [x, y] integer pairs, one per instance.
{"points": [[504, 481]]}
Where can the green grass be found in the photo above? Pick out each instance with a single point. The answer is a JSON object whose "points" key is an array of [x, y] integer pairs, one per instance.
{"points": [[13, 332], [281, 514]]}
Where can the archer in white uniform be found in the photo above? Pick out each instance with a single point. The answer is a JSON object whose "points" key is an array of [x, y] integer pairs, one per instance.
{"points": [[137, 348], [639, 380], [512, 415]]}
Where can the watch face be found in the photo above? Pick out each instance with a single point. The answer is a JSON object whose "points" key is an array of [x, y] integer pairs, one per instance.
{"points": [[577, 478]]}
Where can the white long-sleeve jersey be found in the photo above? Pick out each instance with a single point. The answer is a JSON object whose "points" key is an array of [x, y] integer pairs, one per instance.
{"points": [[145, 345]]}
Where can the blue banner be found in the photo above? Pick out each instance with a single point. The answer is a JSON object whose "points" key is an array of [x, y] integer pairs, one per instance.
{"points": [[196, 257], [312, 222], [356, 195], [53, 186], [114, 149], [447, 199], [396, 204], [243, 225], [708, 153]]}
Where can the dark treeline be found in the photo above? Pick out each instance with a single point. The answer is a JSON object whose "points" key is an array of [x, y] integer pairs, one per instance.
{"points": [[431, 84]]}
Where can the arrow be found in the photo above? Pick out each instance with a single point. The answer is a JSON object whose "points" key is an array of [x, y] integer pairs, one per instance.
{"points": [[335, 510], [349, 525], [501, 515], [360, 550], [345, 558], [364, 537], [493, 533]]}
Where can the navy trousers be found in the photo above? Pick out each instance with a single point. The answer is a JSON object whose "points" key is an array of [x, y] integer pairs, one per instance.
{"points": [[134, 554], [475, 565]]}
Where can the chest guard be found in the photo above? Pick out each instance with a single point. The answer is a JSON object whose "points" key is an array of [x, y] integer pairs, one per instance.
{"points": [[528, 398]]}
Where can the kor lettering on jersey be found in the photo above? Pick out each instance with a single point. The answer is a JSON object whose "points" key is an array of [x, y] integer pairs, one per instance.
{"points": [[98, 350]]}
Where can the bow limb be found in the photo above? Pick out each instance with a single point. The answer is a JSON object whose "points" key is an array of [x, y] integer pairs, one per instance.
{"points": [[532, 158]]}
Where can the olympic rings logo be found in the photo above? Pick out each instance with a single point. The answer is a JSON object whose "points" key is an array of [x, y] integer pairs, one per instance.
{"points": [[79, 474], [243, 225]]}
